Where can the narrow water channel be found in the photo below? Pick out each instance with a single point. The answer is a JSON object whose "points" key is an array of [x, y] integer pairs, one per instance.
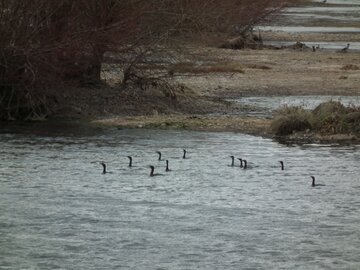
{"points": [[319, 17]]}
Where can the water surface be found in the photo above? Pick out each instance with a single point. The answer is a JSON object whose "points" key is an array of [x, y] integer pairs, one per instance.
{"points": [[59, 212]]}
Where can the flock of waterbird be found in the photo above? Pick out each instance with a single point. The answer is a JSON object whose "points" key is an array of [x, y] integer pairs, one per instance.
{"points": [[343, 50], [152, 168], [243, 165]]}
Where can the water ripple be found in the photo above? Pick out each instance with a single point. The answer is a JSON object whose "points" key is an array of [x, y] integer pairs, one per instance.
{"points": [[59, 212]]}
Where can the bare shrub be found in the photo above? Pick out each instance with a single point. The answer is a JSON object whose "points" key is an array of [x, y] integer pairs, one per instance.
{"points": [[47, 45], [327, 118], [291, 119]]}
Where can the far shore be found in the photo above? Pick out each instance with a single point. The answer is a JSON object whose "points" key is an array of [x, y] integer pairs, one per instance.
{"points": [[228, 74], [222, 123]]}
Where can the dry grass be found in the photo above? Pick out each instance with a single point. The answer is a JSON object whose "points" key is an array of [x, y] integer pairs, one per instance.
{"points": [[350, 67], [291, 119], [328, 118], [221, 67]]}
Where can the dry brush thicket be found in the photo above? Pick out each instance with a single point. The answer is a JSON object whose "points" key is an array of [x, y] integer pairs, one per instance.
{"points": [[47, 45], [328, 118]]}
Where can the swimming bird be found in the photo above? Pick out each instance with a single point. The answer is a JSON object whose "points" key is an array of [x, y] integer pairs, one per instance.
{"points": [[184, 155], [313, 182], [241, 162], [167, 166], [282, 165], [159, 153], [104, 167], [232, 161], [152, 171], [245, 164], [344, 50], [130, 161]]}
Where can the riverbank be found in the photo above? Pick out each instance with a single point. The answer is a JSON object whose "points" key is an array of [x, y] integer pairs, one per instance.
{"points": [[213, 77], [207, 81]]}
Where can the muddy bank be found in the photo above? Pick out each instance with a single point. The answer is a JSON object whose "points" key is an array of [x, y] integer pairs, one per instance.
{"points": [[249, 125], [287, 72]]}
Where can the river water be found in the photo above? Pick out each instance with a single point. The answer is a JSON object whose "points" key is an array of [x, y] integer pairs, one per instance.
{"points": [[58, 211]]}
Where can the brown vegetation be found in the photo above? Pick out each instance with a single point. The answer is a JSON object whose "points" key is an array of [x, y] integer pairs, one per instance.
{"points": [[350, 67], [221, 67], [54, 44], [328, 118]]}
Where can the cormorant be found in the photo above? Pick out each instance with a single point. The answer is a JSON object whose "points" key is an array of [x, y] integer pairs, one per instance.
{"points": [[313, 182], [159, 153], [130, 161], [152, 171], [104, 167], [167, 166], [241, 162], [282, 165], [245, 163], [232, 161]]}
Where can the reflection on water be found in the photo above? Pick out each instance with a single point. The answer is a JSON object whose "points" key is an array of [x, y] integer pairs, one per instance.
{"points": [[59, 212]]}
